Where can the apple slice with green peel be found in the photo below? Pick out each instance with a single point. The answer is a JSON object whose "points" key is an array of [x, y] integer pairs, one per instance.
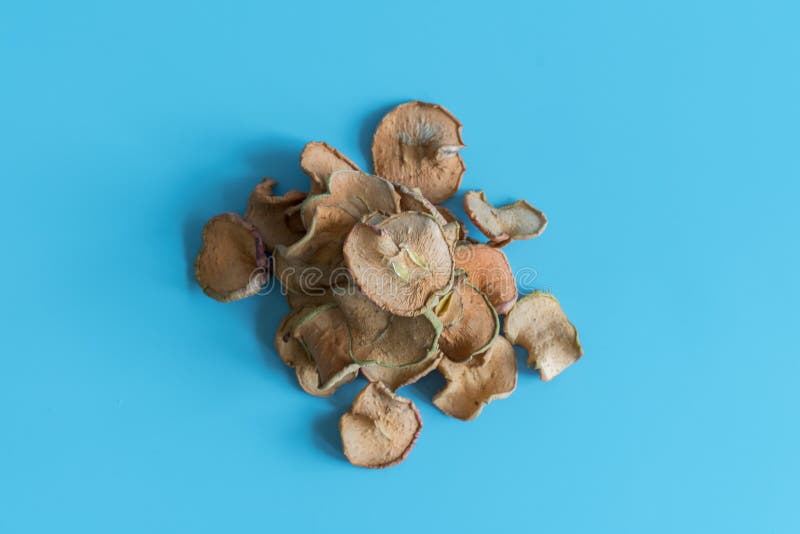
{"points": [[378, 337], [402, 264], [470, 322]]}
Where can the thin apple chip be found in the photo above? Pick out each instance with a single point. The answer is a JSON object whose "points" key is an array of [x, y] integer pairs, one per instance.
{"points": [[380, 429], [324, 335], [474, 384], [293, 354], [379, 338], [488, 270], [537, 323], [416, 144], [232, 264], [273, 216], [402, 263], [502, 225], [469, 320]]}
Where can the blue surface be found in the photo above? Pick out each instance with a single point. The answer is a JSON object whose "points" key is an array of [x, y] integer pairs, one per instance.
{"points": [[661, 138]]}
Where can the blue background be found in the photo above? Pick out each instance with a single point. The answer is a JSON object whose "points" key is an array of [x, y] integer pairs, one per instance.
{"points": [[661, 138]]}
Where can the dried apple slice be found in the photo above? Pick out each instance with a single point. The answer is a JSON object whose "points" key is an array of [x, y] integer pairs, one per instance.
{"points": [[324, 335], [474, 384], [355, 194], [502, 225], [319, 160], [289, 349], [402, 263], [232, 263], [293, 354], [416, 144], [470, 322], [380, 428], [537, 323], [272, 215], [379, 338], [311, 264], [488, 270]]}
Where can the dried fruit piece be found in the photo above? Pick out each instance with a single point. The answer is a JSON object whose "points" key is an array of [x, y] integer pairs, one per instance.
{"points": [[324, 335], [469, 320], [308, 266], [474, 384], [416, 144], [355, 194], [488, 270], [293, 354], [232, 263], [272, 215], [313, 261], [379, 338], [502, 225], [401, 263], [537, 323], [380, 428], [319, 160], [396, 377]]}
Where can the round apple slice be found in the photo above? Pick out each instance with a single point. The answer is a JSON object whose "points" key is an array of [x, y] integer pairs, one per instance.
{"points": [[469, 320], [402, 264], [293, 354], [324, 335], [378, 337], [232, 263], [416, 144], [380, 428], [488, 270], [354, 193]]}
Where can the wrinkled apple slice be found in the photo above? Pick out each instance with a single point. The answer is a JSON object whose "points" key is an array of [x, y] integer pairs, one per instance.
{"points": [[232, 263], [505, 224], [537, 323], [474, 384], [380, 429], [416, 144]]}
